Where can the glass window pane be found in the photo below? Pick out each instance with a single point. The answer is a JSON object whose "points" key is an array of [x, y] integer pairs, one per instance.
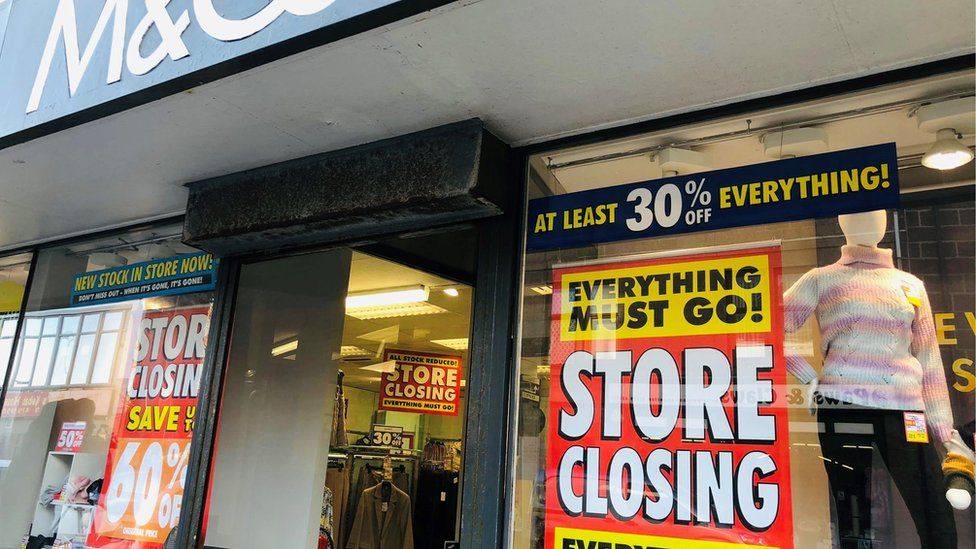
{"points": [[90, 324], [5, 346], [33, 327], [112, 321], [69, 324], [79, 375], [43, 364], [9, 327], [62, 361], [104, 358], [26, 362], [50, 326]]}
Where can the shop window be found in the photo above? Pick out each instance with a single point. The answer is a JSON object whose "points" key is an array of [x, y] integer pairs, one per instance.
{"points": [[13, 278], [344, 400], [796, 376], [99, 405]]}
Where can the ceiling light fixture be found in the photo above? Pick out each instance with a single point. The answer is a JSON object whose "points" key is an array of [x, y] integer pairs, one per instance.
{"points": [[542, 290], [393, 302], [392, 296], [453, 292], [285, 348], [457, 343], [947, 153], [346, 351]]}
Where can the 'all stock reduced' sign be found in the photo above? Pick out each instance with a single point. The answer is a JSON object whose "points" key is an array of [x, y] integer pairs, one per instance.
{"points": [[854, 180]]}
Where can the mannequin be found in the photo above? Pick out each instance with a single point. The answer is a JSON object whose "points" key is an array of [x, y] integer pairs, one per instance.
{"points": [[881, 367]]}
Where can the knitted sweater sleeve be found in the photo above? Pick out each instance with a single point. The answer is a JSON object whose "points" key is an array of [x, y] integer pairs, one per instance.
{"points": [[799, 302], [935, 392]]}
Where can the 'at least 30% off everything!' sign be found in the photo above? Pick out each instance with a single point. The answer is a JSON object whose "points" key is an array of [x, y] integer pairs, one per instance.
{"points": [[822, 185]]}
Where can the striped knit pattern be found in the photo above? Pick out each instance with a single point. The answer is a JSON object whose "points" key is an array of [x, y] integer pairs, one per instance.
{"points": [[878, 338]]}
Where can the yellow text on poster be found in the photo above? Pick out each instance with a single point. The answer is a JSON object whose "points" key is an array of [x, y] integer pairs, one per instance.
{"points": [[573, 538], [702, 297]]}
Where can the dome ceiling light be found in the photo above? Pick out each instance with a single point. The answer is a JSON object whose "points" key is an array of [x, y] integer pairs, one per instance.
{"points": [[949, 121], [948, 153]]}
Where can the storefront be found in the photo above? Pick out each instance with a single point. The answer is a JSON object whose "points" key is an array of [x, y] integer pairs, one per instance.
{"points": [[750, 326]]}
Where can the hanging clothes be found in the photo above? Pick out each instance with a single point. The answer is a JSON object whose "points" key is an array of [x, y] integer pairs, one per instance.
{"points": [[436, 503], [382, 525], [339, 436], [337, 480]]}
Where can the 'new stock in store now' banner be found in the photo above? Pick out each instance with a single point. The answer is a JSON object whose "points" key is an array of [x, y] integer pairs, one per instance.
{"points": [[665, 428]]}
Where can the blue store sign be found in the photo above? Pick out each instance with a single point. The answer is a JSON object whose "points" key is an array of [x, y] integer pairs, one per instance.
{"points": [[182, 274], [59, 57], [822, 185]]}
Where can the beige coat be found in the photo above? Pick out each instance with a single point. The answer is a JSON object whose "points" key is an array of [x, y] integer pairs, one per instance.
{"points": [[375, 529]]}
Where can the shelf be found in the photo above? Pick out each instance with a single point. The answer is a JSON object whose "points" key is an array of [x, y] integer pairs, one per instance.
{"points": [[80, 505]]}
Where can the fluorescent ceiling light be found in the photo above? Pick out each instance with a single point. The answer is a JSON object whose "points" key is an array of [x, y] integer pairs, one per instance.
{"points": [[947, 153], [393, 296], [542, 290], [383, 367], [394, 302], [351, 350], [458, 343], [285, 348]]}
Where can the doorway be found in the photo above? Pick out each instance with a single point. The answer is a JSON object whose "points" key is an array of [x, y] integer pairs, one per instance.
{"points": [[343, 403]]}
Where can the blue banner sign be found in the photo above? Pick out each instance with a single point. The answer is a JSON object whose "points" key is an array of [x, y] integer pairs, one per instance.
{"points": [[822, 185], [181, 274]]}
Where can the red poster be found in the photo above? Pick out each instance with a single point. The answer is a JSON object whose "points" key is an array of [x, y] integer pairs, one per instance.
{"points": [[71, 437], [422, 383], [667, 421], [146, 467]]}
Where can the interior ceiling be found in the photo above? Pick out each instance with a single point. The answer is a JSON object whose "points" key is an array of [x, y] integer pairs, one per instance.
{"points": [[415, 333], [532, 69], [849, 122]]}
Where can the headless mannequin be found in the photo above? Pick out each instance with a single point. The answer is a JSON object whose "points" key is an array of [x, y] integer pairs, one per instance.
{"points": [[867, 229]]}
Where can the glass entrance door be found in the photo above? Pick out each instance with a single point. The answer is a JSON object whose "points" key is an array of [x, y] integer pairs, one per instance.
{"points": [[343, 402]]}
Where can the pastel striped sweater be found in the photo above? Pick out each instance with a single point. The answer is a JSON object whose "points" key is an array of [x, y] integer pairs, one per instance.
{"points": [[878, 337]]}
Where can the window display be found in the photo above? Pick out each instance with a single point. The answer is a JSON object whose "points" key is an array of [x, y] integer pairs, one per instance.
{"points": [[750, 337], [355, 364], [102, 392]]}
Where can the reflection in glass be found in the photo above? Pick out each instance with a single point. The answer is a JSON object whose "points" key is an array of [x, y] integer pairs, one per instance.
{"points": [[79, 375], [62, 362], [44, 355], [104, 358]]}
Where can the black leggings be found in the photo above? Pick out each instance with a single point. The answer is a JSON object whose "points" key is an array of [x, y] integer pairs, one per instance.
{"points": [[847, 439]]}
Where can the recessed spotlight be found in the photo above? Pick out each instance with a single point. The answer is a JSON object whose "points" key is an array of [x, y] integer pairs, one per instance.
{"points": [[451, 292]]}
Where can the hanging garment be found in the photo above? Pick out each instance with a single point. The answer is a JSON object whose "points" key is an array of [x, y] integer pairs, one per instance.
{"points": [[367, 477], [436, 508], [337, 480], [376, 527], [914, 467], [339, 436]]}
